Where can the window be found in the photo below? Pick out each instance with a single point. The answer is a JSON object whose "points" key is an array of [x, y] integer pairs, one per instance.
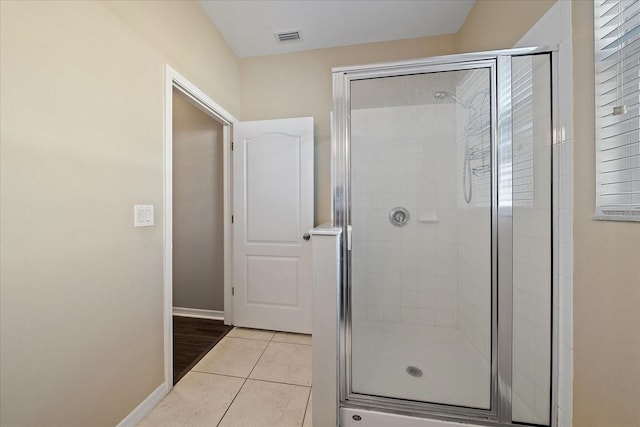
{"points": [[617, 57]]}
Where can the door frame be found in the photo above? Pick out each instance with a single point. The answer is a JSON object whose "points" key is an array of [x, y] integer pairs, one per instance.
{"points": [[202, 101]]}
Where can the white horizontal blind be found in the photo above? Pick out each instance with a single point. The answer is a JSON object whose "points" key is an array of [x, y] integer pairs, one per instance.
{"points": [[617, 57], [522, 104]]}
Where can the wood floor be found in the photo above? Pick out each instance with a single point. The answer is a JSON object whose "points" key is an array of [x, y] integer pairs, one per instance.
{"points": [[192, 339]]}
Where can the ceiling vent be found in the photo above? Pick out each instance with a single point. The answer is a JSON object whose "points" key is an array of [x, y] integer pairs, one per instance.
{"points": [[287, 36]]}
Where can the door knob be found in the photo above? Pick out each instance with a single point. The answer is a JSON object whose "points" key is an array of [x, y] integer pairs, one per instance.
{"points": [[306, 236]]}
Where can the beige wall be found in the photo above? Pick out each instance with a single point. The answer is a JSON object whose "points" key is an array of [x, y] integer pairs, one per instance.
{"points": [[606, 271], [198, 228], [499, 24], [181, 32], [81, 106], [81, 100], [299, 84]]}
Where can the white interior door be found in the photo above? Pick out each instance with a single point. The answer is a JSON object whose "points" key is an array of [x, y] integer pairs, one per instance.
{"points": [[273, 209]]}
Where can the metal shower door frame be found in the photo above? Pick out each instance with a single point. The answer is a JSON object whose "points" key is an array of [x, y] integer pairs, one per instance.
{"points": [[499, 65]]}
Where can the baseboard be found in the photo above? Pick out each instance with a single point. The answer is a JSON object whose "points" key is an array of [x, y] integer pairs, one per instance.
{"points": [[143, 409], [199, 313]]}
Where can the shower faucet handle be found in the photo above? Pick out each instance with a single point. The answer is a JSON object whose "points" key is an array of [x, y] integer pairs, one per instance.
{"points": [[399, 216]]}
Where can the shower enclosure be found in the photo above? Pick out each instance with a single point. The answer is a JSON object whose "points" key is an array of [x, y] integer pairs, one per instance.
{"points": [[443, 188]]}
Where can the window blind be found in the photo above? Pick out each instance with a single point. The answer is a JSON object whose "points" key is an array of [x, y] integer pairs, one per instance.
{"points": [[617, 61], [522, 104]]}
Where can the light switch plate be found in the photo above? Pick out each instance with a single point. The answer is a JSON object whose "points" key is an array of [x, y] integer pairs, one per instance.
{"points": [[142, 215]]}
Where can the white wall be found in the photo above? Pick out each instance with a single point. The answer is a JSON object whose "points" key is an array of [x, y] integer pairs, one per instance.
{"points": [[404, 156]]}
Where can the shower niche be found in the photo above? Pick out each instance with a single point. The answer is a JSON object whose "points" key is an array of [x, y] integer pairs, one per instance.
{"points": [[443, 187]]}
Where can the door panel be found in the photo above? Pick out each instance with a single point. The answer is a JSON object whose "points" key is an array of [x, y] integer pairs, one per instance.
{"points": [[421, 144], [272, 280], [270, 222], [273, 194]]}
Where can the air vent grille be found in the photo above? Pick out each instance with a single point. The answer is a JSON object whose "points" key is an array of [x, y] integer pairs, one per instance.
{"points": [[288, 36]]}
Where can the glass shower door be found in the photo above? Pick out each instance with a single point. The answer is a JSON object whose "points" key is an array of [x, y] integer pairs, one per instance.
{"points": [[421, 277]]}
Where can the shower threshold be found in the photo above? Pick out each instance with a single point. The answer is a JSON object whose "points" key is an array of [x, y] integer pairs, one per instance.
{"points": [[350, 417]]}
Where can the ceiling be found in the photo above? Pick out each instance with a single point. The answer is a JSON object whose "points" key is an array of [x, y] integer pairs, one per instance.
{"points": [[248, 26]]}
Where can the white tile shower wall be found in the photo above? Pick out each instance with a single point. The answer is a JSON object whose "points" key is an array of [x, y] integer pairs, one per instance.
{"points": [[404, 156], [554, 29], [474, 218]]}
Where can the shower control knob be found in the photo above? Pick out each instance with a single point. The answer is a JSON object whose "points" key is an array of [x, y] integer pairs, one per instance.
{"points": [[399, 216], [306, 236]]}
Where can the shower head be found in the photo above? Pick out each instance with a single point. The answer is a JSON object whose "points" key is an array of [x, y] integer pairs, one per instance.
{"points": [[442, 95]]}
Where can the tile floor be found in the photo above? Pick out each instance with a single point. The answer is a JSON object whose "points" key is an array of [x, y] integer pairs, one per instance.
{"points": [[251, 378]]}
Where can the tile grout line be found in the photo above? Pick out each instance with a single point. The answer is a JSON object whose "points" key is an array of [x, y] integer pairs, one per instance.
{"points": [[219, 374], [247, 377], [245, 338], [242, 386], [272, 337], [271, 381], [279, 382], [294, 343], [306, 407], [253, 379], [235, 396], [231, 403], [258, 361]]}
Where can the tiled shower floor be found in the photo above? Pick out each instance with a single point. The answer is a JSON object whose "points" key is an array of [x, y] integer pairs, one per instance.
{"points": [[453, 371], [251, 378]]}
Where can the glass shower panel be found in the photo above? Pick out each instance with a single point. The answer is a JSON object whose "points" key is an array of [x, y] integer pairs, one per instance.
{"points": [[531, 168], [421, 212]]}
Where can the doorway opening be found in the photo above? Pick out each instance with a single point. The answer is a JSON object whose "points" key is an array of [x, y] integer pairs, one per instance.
{"points": [[197, 207], [198, 234]]}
